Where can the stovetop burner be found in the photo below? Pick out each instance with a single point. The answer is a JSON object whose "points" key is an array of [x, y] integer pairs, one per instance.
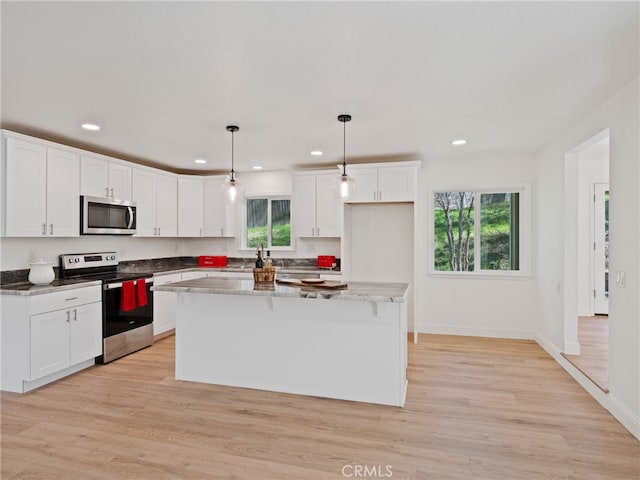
{"points": [[96, 266]]}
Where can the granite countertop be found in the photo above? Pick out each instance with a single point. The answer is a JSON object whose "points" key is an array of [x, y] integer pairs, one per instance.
{"points": [[146, 267], [27, 288], [242, 269], [358, 291]]}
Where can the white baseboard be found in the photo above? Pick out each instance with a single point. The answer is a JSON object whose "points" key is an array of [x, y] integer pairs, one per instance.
{"points": [[476, 332], [626, 417]]}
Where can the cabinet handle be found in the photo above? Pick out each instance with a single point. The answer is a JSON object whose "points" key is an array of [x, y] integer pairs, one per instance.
{"points": [[69, 299], [51, 229], [222, 232], [158, 231], [68, 316], [75, 314], [111, 192], [200, 232], [106, 190], [318, 232], [379, 195], [44, 228]]}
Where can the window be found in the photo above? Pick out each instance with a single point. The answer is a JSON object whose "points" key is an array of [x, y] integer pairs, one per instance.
{"points": [[477, 231], [268, 222]]}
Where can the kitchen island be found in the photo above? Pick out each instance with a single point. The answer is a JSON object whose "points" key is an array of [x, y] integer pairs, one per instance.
{"points": [[346, 344]]}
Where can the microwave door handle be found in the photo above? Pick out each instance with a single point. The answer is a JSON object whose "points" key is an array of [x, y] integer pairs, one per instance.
{"points": [[131, 214]]}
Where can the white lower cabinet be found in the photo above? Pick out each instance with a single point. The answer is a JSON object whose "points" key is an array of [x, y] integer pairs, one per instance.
{"points": [[46, 337], [164, 304]]}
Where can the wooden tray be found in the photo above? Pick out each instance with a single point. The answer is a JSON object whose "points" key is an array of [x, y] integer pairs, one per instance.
{"points": [[327, 284]]}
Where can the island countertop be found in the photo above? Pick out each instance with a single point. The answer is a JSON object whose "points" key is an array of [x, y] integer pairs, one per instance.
{"points": [[357, 291]]}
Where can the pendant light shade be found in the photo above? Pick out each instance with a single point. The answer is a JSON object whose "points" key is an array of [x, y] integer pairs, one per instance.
{"points": [[344, 185], [232, 188]]}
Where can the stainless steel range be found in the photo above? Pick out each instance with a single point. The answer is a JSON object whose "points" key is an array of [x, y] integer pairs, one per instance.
{"points": [[127, 301]]}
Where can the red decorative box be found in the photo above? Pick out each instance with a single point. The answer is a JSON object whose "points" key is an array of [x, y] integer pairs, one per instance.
{"points": [[325, 261], [212, 261]]}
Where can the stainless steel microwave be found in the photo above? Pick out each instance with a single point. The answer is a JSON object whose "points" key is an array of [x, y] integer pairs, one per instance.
{"points": [[103, 216]]}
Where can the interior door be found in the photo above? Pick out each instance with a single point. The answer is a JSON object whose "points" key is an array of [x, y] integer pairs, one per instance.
{"points": [[601, 248]]}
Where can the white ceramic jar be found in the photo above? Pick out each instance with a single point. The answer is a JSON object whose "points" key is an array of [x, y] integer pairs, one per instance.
{"points": [[41, 272]]}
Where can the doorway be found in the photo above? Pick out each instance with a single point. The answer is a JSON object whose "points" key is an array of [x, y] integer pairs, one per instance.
{"points": [[601, 248], [586, 279]]}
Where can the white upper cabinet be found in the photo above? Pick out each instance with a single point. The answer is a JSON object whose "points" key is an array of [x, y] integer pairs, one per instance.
{"points": [[42, 190], [190, 206], [63, 193], [101, 177], [396, 183], [316, 210], [156, 197], [218, 216]]}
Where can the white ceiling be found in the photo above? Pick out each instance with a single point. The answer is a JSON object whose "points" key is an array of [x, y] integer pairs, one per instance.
{"points": [[163, 79]]}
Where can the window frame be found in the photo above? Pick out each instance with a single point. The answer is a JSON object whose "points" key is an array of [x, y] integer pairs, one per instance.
{"points": [[269, 198], [524, 230]]}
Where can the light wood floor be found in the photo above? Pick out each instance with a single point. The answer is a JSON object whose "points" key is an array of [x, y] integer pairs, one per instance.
{"points": [[593, 361], [476, 409]]}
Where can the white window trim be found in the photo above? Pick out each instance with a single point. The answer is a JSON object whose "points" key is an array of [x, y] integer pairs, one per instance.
{"points": [[243, 238], [526, 231]]}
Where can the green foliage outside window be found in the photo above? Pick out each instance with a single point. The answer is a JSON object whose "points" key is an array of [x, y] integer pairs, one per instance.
{"points": [[457, 224], [268, 222]]}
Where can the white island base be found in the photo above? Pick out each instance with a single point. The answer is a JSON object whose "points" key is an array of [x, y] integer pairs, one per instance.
{"points": [[343, 349]]}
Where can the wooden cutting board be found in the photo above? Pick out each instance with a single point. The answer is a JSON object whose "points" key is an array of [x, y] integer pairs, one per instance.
{"points": [[327, 284]]}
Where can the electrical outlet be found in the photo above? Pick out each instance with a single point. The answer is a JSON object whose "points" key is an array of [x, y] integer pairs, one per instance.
{"points": [[621, 278]]}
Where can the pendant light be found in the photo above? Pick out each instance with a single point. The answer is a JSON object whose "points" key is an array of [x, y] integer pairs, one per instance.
{"points": [[344, 185], [231, 188]]}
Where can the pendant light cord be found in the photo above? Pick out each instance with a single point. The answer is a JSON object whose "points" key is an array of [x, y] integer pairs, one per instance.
{"points": [[232, 149], [344, 149], [232, 129]]}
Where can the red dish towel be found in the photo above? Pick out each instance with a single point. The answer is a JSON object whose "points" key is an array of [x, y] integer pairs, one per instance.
{"points": [[128, 297], [141, 291]]}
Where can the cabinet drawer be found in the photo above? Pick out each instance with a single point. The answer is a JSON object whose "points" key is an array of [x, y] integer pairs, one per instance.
{"points": [[169, 278], [49, 302]]}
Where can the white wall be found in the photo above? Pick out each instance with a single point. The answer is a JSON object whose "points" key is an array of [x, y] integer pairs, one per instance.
{"points": [[479, 305], [620, 114]]}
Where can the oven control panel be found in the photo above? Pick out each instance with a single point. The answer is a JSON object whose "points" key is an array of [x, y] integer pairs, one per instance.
{"points": [[88, 260]]}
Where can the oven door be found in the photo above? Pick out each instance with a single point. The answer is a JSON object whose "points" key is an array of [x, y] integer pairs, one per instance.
{"points": [[115, 320], [101, 216]]}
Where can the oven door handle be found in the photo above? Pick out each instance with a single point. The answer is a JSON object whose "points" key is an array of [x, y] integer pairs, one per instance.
{"points": [[112, 286], [131, 217]]}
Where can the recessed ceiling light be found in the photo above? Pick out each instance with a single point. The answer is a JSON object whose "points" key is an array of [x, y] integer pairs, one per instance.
{"points": [[200, 160], [316, 153], [90, 126], [257, 167], [459, 142]]}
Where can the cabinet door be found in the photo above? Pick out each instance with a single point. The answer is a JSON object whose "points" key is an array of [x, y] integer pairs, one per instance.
{"points": [[164, 312], [143, 186], [214, 208], [94, 176], [49, 342], [166, 205], [85, 334], [63, 193], [26, 189], [303, 203], [328, 207], [120, 181], [366, 188], [396, 184], [190, 207]]}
